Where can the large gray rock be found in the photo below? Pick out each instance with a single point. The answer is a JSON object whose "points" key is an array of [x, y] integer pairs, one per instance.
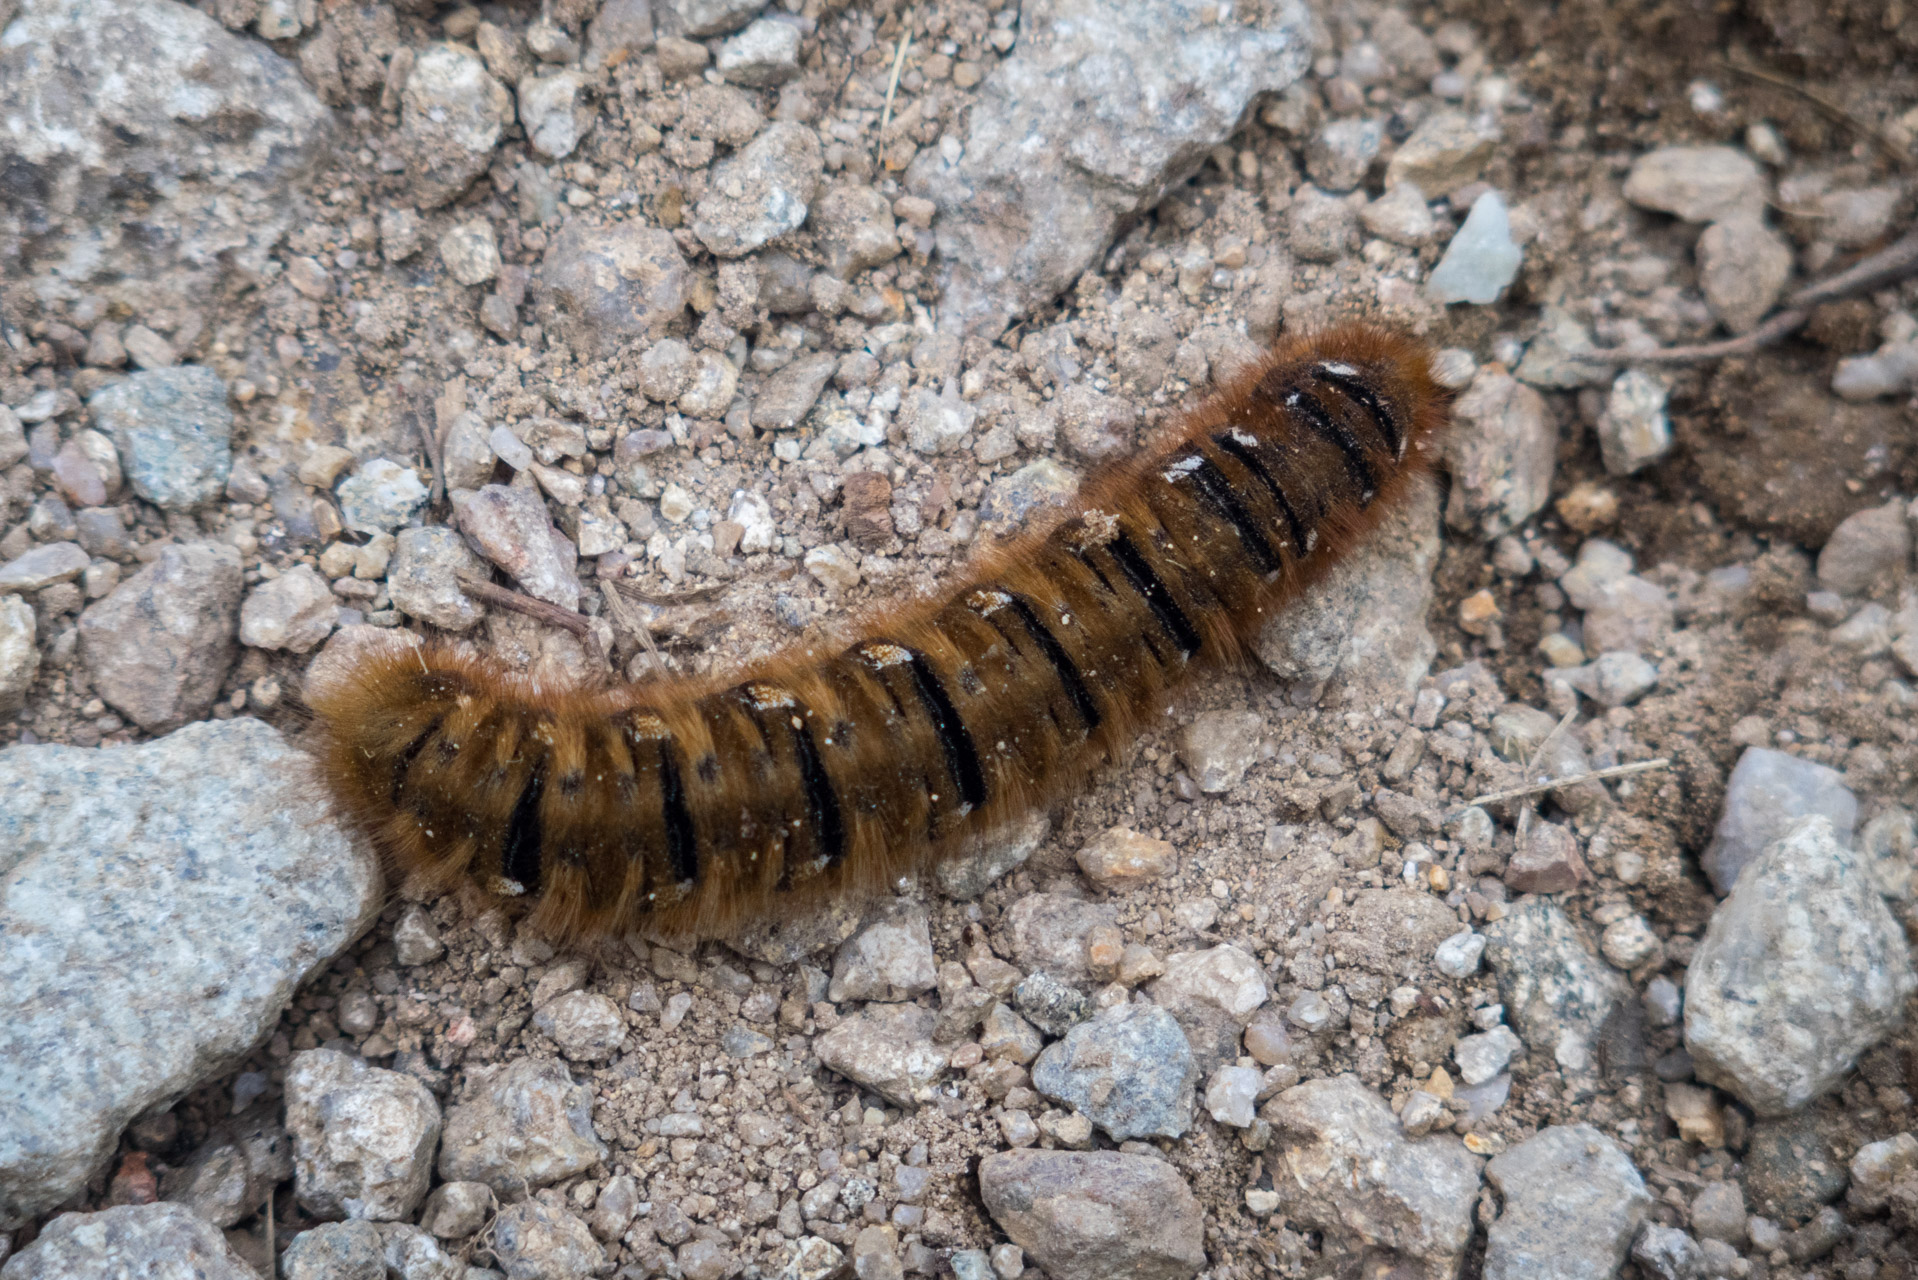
{"points": [[606, 287], [129, 1242], [1102, 106], [520, 1126], [158, 647], [1096, 1215], [174, 433], [119, 105], [159, 904], [1800, 971], [1768, 793], [1573, 1201], [363, 1137], [1557, 991], [1361, 629], [1345, 1167], [1129, 1071]]}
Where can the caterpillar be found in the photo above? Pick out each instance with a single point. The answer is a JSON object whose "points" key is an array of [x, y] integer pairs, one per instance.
{"points": [[691, 806]]}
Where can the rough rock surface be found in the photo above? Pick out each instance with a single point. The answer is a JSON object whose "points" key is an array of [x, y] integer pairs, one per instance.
{"points": [[1557, 991], [1102, 106], [1573, 1202], [1767, 794], [1345, 1167], [1362, 627], [130, 1242], [174, 433], [161, 904], [152, 98], [887, 1048], [520, 1126], [1095, 1215], [607, 286], [160, 644], [363, 1137], [1128, 1070], [1800, 971]]}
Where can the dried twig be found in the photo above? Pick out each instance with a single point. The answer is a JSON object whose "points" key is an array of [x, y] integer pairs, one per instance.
{"points": [[551, 614], [1884, 143], [1553, 784], [626, 620], [698, 595], [1884, 267], [892, 85]]}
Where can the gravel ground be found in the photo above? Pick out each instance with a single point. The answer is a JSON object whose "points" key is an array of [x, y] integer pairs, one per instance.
{"points": [[712, 325]]}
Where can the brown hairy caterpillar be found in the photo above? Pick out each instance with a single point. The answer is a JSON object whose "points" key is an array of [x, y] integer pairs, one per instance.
{"points": [[693, 805]]}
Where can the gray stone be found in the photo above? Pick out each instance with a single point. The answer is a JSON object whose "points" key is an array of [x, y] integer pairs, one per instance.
{"points": [[554, 112], [1446, 151], [606, 288], [698, 19], [413, 1254], [1634, 432], [1742, 268], [1129, 1071], [1401, 216], [1868, 549], [1800, 971], [1888, 371], [1877, 1167], [336, 1251], [363, 1138], [471, 254], [1718, 1212], [1614, 679], [788, 396], [1573, 1203], [230, 1174], [1482, 258], [852, 224], [131, 1242], [380, 496], [112, 858], [451, 115], [1345, 1167], [1483, 1056], [761, 193], [1320, 226], [455, 1210], [1044, 483], [148, 113], [1339, 154], [1792, 1165], [518, 1127], [587, 1026], [1552, 357], [43, 566], [158, 647], [1699, 184], [294, 612], [19, 655], [1459, 955], [1769, 791], [423, 577], [1231, 1095], [1096, 1215], [985, 859], [1557, 992], [1361, 631], [174, 432], [1102, 106], [1219, 746], [889, 1049], [509, 525], [537, 1241], [621, 27], [1500, 454], [1048, 931], [763, 56], [889, 959]]}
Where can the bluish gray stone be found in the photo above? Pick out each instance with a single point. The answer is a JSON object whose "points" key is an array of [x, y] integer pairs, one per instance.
{"points": [[1801, 970], [336, 1251], [380, 496], [1482, 258], [174, 432], [1768, 792], [1557, 991], [1129, 1071], [160, 905], [1573, 1203], [136, 1240]]}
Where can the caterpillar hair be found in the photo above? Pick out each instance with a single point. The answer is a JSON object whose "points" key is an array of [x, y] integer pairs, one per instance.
{"points": [[691, 806]]}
